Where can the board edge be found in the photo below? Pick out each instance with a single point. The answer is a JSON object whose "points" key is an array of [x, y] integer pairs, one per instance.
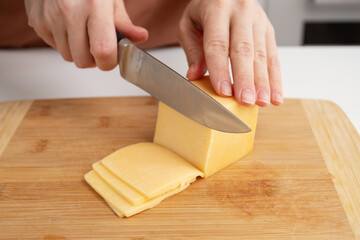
{"points": [[11, 116], [339, 143]]}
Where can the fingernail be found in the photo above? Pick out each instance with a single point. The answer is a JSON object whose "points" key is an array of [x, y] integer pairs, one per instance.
{"points": [[247, 96], [263, 96], [278, 97], [226, 88]]}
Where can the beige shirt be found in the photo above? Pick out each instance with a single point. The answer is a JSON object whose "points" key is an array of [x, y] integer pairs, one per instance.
{"points": [[159, 17]]}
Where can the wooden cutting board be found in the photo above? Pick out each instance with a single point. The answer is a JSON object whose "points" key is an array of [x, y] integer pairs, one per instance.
{"points": [[300, 182]]}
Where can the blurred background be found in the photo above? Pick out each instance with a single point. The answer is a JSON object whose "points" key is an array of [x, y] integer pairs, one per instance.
{"points": [[314, 22], [319, 51]]}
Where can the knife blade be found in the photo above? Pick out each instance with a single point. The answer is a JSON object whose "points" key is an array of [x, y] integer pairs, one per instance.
{"points": [[163, 83]]}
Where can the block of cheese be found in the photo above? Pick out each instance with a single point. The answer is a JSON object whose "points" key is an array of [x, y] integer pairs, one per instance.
{"points": [[150, 169], [125, 191], [120, 205], [207, 149]]}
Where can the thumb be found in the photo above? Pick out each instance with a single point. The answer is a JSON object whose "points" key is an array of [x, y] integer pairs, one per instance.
{"points": [[190, 38], [124, 25]]}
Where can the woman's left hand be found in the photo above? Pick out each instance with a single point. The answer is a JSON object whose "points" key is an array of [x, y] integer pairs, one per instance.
{"points": [[211, 31]]}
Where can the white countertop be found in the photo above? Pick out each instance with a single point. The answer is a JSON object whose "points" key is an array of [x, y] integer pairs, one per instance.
{"points": [[331, 73]]}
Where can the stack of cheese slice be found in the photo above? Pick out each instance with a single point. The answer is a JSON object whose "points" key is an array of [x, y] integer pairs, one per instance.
{"points": [[140, 176]]}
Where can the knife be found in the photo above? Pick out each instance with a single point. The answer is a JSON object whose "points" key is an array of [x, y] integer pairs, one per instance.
{"points": [[160, 81]]}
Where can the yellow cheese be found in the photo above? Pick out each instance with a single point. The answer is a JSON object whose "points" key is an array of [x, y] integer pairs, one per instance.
{"points": [[150, 168], [127, 192], [140, 176], [207, 149], [115, 211], [120, 206]]}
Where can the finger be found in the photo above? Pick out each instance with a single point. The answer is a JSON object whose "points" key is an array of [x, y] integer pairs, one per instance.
{"points": [[46, 35], [124, 25], [190, 38], [36, 21], [242, 59], [58, 29], [262, 87], [216, 48], [102, 35], [273, 68], [61, 41], [78, 39]]}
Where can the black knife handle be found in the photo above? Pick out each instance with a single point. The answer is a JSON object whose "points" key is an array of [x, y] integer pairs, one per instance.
{"points": [[119, 36]]}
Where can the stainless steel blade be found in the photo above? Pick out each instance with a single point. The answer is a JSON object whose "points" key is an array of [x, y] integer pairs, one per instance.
{"points": [[148, 73]]}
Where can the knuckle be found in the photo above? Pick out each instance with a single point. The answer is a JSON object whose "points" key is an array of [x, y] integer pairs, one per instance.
{"points": [[66, 6], [262, 82], [48, 13], [260, 55], [84, 63], [220, 3], [33, 19], [273, 62], [245, 79], [217, 46], [245, 4], [102, 50], [107, 67], [39, 27], [193, 51], [31, 22], [49, 19], [67, 57], [92, 3], [181, 31], [262, 18], [271, 30], [261, 15], [80, 64], [242, 48], [182, 26]]}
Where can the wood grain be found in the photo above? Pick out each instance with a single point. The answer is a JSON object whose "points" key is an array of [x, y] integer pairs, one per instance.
{"points": [[11, 115], [282, 190], [339, 143]]}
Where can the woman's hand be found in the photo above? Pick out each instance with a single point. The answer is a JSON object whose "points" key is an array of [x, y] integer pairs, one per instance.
{"points": [[211, 31], [83, 31]]}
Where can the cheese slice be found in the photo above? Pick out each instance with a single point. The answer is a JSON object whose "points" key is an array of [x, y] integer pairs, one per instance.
{"points": [[207, 149], [127, 192], [114, 210], [120, 206], [150, 168]]}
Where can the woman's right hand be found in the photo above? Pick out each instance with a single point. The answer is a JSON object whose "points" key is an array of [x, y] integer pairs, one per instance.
{"points": [[83, 31]]}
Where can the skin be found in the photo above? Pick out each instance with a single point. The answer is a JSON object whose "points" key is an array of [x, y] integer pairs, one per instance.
{"points": [[210, 31]]}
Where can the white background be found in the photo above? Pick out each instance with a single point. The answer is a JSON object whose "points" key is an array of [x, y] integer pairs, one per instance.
{"points": [[331, 73]]}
